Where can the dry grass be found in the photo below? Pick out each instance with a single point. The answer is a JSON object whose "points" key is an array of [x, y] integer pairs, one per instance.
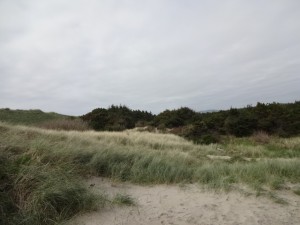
{"points": [[261, 137], [65, 124], [144, 157]]}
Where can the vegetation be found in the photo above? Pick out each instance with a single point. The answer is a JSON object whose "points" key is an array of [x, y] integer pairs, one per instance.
{"points": [[32, 192], [65, 124], [123, 199], [161, 158], [41, 170], [175, 118], [44, 120], [28, 117], [204, 128], [117, 118]]}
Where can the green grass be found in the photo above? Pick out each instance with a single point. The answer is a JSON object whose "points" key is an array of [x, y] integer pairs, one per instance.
{"points": [[41, 169], [275, 148], [35, 193], [28, 117]]}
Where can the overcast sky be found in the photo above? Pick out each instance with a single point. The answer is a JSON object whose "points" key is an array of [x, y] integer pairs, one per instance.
{"points": [[73, 56]]}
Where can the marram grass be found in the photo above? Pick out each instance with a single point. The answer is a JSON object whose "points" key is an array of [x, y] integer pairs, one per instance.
{"points": [[34, 193], [123, 199], [42, 167]]}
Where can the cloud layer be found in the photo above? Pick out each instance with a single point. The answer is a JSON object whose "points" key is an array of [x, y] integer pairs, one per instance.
{"points": [[73, 56]]}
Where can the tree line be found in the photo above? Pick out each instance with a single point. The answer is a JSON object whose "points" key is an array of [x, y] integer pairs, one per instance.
{"points": [[117, 118], [273, 118]]}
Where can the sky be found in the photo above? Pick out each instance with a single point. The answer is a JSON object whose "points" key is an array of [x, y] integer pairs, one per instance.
{"points": [[74, 56]]}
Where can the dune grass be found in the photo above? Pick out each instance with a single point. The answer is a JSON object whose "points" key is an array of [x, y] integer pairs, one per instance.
{"points": [[35, 193], [123, 199], [40, 169]]}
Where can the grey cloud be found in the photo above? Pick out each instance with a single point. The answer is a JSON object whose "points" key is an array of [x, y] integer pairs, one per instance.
{"points": [[71, 57]]}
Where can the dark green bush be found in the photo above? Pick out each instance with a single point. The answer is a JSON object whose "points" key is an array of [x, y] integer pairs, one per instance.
{"points": [[116, 118]]}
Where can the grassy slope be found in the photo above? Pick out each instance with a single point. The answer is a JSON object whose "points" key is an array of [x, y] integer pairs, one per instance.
{"points": [[137, 157], [158, 158], [28, 117]]}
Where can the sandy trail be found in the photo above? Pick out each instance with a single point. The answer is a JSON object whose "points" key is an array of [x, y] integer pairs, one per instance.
{"points": [[175, 205]]}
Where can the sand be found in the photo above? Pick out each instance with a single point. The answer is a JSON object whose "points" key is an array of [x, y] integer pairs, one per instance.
{"points": [[189, 204]]}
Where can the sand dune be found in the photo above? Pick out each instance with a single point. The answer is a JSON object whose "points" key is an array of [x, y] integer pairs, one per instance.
{"points": [[188, 204]]}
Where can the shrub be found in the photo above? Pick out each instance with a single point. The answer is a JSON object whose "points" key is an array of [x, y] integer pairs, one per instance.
{"points": [[209, 139]]}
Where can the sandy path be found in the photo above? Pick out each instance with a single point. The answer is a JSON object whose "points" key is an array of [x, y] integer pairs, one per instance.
{"points": [[174, 205]]}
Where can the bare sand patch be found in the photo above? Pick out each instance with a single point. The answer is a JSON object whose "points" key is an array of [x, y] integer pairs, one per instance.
{"points": [[189, 204]]}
